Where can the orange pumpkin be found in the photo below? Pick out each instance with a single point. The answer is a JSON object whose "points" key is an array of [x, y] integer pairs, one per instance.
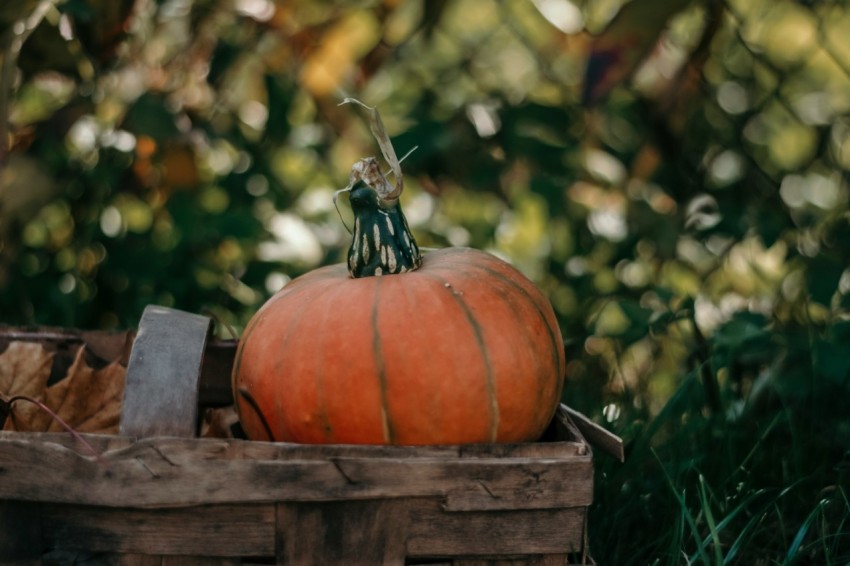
{"points": [[455, 347]]}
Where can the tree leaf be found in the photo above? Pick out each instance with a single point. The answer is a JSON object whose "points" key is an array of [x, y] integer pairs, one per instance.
{"points": [[831, 360], [150, 116], [822, 278]]}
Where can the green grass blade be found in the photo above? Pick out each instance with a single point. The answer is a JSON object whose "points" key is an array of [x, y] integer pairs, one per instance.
{"points": [[709, 519], [739, 542], [840, 528], [683, 508], [757, 518], [794, 549], [727, 520]]}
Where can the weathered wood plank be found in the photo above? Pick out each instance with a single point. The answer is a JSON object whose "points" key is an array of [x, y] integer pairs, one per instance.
{"points": [[85, 558], [433, 533], [241, 449], [133, 560], [525, 487], [538, 560], [220, 531], [343, 532], [110, 559], [199, 561], [178, 472], [21, 540], [596, 435], [161, 391], [568, 446]]}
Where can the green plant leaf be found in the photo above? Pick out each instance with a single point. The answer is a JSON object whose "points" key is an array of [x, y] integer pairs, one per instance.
{"points": [[150, 116], [822, 276]]}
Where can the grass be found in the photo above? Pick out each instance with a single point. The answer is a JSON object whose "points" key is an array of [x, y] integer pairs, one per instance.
{"points": [[768, 486]]}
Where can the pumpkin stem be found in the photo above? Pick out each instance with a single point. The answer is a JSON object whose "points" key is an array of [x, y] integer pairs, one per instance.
{"points": [[382, 242]]}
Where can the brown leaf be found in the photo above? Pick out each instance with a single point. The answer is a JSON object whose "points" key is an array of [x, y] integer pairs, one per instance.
{"points": [[87, 399], [24, 370], [218, 422]]}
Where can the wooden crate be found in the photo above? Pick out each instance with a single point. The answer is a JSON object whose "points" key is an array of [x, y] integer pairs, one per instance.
{"points": [[159, 498]]}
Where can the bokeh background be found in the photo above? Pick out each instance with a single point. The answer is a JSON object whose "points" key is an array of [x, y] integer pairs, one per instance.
{"points": [[672, 174]]}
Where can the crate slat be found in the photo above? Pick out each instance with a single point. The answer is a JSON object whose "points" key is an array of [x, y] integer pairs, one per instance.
{"points": [[338, 532], [184, 472], [219, 531], [503, 533], [344, 532]]}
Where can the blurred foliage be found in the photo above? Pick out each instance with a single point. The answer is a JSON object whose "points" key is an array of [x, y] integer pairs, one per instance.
{"points": [[673, 175]]}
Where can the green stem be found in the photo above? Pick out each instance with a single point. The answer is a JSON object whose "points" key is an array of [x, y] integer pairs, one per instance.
{"points": [[382, 242]]}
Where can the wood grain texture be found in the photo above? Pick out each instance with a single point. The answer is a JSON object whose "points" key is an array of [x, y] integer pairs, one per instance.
{"points": [[161, 390], [539, 560], [181, 472], [213, 499], [433, 533], [525, 487], [240, 449], [85, 558], [595, 434], [199, 561], [387, 531], [133, 560], [222, 531], [343, 532]]}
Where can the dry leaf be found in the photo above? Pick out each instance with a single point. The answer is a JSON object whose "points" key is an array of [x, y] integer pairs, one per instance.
{"points": [[24, 370], [87, 399], [376, 125], [219, 422]]}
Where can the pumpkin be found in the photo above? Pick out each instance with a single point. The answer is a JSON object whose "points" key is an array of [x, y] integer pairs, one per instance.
{"points": [[463, 349], [452, 346]]}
